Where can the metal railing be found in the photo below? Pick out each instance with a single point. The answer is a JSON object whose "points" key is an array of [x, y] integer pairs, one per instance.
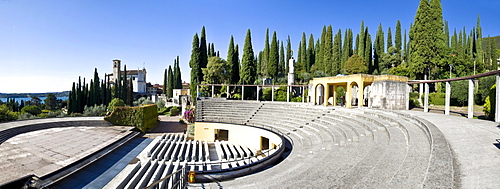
{"points": [[179, 177]]}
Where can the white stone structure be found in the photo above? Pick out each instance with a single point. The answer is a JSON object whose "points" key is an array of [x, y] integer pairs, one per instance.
{"points": [[138, 77]]}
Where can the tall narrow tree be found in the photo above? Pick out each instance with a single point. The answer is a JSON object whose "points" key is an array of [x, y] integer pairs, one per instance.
{"points": [[288, 53], [281, 66], [272, 66], [170, 82], [337, 53], [247, 74], [327, 49], [311, 53], [203, 53], [194, 63], [264, 60], [389, 39], [398, 40]]}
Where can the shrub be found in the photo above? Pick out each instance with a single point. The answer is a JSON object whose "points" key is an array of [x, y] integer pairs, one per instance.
{"points": [[115, 103], [489, 103], [297, 99], [236, 96], [414, 95], [189, 115], [96, 110], [437, 98], [6, 114], [174, 111], [160, 104], [414, 103], [143, 100], [31, 109], [142, 118], [24, 116]]}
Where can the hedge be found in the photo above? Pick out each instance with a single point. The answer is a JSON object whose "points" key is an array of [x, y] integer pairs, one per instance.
{"points": [[143, 117]]}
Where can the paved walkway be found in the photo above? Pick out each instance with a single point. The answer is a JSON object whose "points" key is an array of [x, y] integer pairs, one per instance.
{"points": [[45, 151], [473, 142]]}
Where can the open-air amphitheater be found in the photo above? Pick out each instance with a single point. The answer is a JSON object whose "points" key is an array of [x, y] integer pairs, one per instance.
{"points": [[260, 144]]}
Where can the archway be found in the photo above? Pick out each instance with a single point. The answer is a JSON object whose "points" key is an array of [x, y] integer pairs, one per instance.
{"points": [[320, 94]]}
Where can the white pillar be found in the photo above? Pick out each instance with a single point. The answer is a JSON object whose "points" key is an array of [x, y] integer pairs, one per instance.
{"points": [[242, 92], [272, 93], [471, 99], [227, 92], [197, 91], [426, 97], [303, 93], [407, 98], [213, 90], [497, 100], [447, 99], [420, 92], [258, 93], [287, 93]]}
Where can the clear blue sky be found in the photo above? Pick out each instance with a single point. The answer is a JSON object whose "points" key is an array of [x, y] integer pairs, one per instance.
{"points": [[46, 44]]}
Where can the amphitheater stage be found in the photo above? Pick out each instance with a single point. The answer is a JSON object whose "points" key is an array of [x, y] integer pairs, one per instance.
{"points": [[474, 144], [43, 152]]}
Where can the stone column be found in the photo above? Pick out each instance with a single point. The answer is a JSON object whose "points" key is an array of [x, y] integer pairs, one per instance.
{"points": [[213, 90], [197, 91], [272, 93], [326, 92], [348, 95], [497, 101], [407, 98], [447, 99], [471, 99], [334, 95], [426, 97], [258, 96], [287, 93], [361, 92], [242, 92]]}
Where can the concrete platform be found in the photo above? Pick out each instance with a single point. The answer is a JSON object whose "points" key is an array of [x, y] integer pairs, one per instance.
{"points": [[474, 143], [45, 151]]}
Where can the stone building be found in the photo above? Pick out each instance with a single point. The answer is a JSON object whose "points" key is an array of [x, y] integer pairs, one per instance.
{"points": [[138, 77]]}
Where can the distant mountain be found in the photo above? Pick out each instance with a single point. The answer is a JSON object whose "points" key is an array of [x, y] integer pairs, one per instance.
{"points": [[27, 95]]}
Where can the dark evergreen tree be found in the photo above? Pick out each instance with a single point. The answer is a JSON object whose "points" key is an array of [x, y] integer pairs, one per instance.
{"points": [[337, 53], [230, 61], [379, 49], [194, 63], [281, 66], [130, 92], [177, 75], [273, 61], [248, 71], [288, 53], [319, 64], [302, 61], [124, 84], [389, 39], [360, 46], [236, 65], [398, 40], [170, 82], [311, 53], [203, 53], [264, 60], [327, 49]]}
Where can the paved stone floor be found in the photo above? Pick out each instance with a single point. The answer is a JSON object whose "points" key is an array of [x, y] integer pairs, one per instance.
{"points": [[474, 143], [44, 151]]}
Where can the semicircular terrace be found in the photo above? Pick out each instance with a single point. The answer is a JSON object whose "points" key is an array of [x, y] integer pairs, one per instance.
{"points": [[53, 148], [341, 148]]}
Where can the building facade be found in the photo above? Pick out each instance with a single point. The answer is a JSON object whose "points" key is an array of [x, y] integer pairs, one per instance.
{"points": [[138, 77]]}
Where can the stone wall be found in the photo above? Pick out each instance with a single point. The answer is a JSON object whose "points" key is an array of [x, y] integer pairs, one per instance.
{"points": [[388, 94]]}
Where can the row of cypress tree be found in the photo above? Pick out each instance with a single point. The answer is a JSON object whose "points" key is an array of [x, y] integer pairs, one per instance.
{"points": [[172, 79]]}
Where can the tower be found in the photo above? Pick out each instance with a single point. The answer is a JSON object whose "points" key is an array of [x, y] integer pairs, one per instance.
{"points": [[116, 69]]}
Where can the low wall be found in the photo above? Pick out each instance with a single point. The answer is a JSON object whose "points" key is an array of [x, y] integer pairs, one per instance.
{"points": [[238, 134]]}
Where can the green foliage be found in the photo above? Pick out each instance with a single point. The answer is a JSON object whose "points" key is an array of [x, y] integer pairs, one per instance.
{"points": [[26, 115], [459, 92], [280, 94], [144, 100], [248, 71], [297, 99], [485, 84], [115, 103], [174, 110], [266, 94], [216, 71], [142, 118], [160, 104], [236, 96], [31, 109], [6, 114], [96, 110], [170, 82], [50, 101], [437, 98], [489, 104], [272, 66], [355, 64]]}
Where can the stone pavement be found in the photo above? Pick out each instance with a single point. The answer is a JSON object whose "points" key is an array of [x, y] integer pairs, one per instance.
{"points": [[474, 145], [45, 151]]}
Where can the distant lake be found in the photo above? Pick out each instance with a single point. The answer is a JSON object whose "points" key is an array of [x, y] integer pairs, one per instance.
{"points": [[26, 99]]}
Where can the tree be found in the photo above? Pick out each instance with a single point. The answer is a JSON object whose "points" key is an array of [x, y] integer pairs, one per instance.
{"points": [[232, 61], [194, 63], [6, 114], [177, 74], [31, 109], [397, 40], [337, 53], [311, 53], [264, 60], [389, 38], [165, 81], [288, 53], [302, 64], [203, 52], [281, 66], [247, 74], [124, 84], [273, 61], [50, 101], [170, 82], [130, 92], [216, 71], [347, 47], [116, 102], [379, 48], [327, 49], [355, 65]]}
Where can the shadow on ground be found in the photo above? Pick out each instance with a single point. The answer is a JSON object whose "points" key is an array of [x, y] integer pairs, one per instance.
{"points": [[169, 124]]}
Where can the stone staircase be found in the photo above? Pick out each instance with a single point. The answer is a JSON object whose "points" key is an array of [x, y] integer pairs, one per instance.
{"points": [[342, 148]]}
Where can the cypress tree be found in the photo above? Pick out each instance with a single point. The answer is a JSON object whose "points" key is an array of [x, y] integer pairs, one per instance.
{"points": [[303, 54], [298, 64], [420, 43], [177, 75], [447, 34], [165, 80], [337, 53], [203, 53], [389, 39], [124, 84], [247, 74], [398, 40], [327, 49], [259, 63], [368, 51], [479, 45], [361, 43], [288, 53], [130, 92], [311, 53], [272, 66], [320, 55], [194, 64], [264, 60], [438, 40], [170, 82], [230, 61], [379, 49], [236, 65], [79, 98], [281, 66]]}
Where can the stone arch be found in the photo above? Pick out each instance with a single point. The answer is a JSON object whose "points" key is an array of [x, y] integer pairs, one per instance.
{"points": [[354, 94], [320, 94]]}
